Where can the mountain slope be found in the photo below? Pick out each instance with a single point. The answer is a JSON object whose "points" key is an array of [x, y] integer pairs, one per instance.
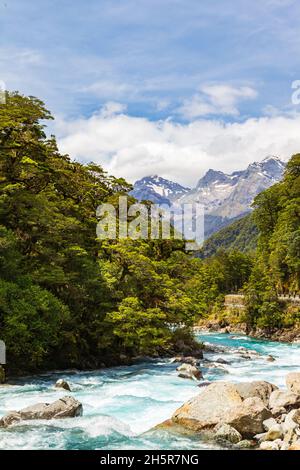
{"points": [[158, 190], [240, 235]]}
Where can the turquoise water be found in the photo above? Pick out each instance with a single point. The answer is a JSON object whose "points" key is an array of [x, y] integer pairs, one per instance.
{"points": [[122, 404]]}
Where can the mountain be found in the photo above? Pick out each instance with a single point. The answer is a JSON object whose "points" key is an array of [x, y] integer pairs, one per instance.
{"points": [[241, 235], [226, 197], [158, 190], [230, 196]]}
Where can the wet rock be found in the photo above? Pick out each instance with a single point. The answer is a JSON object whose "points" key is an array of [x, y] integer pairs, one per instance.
{"points": [[271, 358], [220, 360], [225, 432], [187, 371], [193, 361], [11, 418], [281, 399], [66, 407], [293, 382], [259, 388], [63, 384]]}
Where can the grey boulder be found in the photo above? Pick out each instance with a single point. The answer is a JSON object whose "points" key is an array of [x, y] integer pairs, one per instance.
{"points": [[66, 407]]}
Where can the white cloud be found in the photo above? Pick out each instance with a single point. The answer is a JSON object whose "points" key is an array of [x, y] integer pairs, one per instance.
{"points": [[109, 88], [133, 147], [111, 108], [216, 99]]}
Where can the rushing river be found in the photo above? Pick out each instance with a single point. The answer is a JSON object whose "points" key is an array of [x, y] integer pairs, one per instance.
{"points": [[122, 404]]}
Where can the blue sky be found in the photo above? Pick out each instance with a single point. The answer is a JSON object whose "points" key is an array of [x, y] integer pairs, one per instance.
{"points": [[180, 61]]}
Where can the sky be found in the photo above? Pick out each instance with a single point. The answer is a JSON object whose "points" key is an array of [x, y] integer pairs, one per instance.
{"points": [[168, 87]]}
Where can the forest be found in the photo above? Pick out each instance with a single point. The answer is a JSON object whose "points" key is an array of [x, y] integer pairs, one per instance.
{"points": [[68, 299]]}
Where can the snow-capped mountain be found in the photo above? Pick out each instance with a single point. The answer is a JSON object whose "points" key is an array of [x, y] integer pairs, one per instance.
{"points": [[158, 190], [225, 196], [231, 195]]}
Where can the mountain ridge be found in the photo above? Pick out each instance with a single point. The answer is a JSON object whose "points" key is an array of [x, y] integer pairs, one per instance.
{"points": [[225, 197]]}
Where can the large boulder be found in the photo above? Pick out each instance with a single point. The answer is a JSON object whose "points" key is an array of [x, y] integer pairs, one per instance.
{"points": [[248, 417], [66, 407], [259, 389], [222, 403], [208, 409], [293, 382], [280, 399]]}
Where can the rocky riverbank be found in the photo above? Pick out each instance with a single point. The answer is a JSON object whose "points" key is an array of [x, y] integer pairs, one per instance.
{"points": [[285, 335], [244, 415]]}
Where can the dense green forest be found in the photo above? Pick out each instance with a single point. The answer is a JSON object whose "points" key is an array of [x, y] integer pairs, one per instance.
{"points": [[277, 265], [241, 235], [68, 299]]}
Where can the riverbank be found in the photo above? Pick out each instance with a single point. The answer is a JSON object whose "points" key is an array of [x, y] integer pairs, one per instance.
{"points": [[285, 335]]}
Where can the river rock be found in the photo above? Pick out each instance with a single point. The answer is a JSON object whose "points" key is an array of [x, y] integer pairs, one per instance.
{"points": [[187, 371], [293, 382], [295, 446], [227, 433], [66, 407], [275, 432], [268, 423], [248, 417], [259, 388], [220, 360], [193, 361], [271, 358], [281, 399], [245, 444], [63, 384], [11, 418], [268, 445], [209, 408], [221, 403]]}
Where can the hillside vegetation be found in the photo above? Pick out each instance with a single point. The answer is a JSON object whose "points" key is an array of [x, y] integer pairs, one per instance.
{"points": [[68, 299], [241, 235]]}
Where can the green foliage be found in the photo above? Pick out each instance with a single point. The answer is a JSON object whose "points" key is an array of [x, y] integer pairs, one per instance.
{"points": [[139, 330], [32, 322], [241, 235], [277, 266], [68, 299]]}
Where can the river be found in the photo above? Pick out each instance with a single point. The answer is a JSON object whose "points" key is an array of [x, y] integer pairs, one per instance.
{"points": [[122, 404]]}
